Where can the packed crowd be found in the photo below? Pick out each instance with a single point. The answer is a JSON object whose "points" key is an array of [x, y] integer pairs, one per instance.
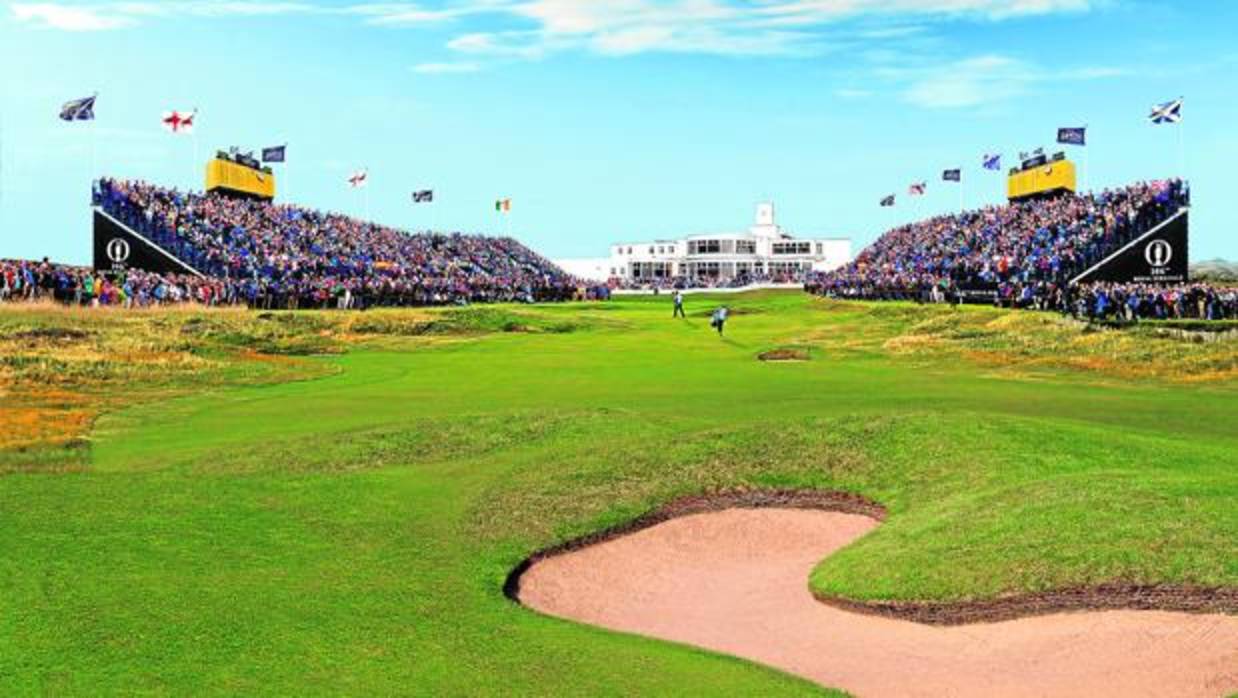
{"points": [[30, 281], [287, 256], [1127, 302], [1050, 239], [1024, 254], [33, 281]]}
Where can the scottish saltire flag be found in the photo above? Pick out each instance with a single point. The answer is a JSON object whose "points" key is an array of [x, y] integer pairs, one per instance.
{"points": [[358, 179], [955, 175], [917, 189], [425, 196], [992, 162], [275, 153], [888, 201], [79, 109], [1167, 113], [1073, 136], [179, 122]]}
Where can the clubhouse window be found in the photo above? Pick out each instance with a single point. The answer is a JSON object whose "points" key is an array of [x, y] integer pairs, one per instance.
{"points": [[792, 248], [704, 247]]}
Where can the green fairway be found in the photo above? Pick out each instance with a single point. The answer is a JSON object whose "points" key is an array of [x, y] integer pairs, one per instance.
{"points": [[226, 529]]}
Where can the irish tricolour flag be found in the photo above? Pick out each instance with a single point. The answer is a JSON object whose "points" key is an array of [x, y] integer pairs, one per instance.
{"points": [[503, 205]]}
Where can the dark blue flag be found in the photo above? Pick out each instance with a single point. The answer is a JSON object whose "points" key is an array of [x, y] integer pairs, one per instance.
{"points": [[275, 154], [888, 201], [955, 175], [79, 109], [1072, 136], [1167, 113]]}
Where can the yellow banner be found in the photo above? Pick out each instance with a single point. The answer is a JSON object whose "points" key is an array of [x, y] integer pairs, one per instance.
{"points": [[1046, 178], [223, 174]]}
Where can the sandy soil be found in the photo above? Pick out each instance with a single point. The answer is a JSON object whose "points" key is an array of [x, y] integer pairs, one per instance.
{"points": [[735, 581]]}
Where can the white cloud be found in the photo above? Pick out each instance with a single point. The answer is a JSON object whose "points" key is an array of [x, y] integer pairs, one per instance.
{"points": [[534, 28], [826, 11], [970, 82], [852, 93], [66, 17], [985, 79], [407, 14], [516, 44], [444, 68]]}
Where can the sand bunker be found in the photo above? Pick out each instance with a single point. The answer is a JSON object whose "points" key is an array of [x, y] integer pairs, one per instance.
{"points": [[735, 581]]}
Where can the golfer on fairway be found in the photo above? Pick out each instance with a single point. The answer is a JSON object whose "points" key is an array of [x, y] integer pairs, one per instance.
{"points": [[719, 319], [678, 306]]}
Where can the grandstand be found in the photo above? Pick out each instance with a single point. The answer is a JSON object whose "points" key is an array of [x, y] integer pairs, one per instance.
{"points": [[280, 255], [1028, 252]]}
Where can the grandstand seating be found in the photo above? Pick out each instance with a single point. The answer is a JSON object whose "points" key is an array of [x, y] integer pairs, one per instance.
{"points": [[288, 255], [1017, 249], [1025, 255]]}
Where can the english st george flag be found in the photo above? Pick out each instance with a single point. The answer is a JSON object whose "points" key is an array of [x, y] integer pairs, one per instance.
{"points": [[917, 189], [79, 109], [179, 122]]}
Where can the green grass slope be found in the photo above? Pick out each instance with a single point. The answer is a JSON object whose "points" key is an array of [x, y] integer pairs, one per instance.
{"points": [[350, 533]]}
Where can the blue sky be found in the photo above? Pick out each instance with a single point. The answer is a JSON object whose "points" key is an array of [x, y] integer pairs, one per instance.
{"points": [[619, 120]]}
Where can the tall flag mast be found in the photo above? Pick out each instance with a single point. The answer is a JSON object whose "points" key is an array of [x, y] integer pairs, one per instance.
{"points": [[1171, 113]]}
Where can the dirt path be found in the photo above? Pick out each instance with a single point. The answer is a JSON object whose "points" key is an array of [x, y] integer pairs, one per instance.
{"points": [[735, 581]]}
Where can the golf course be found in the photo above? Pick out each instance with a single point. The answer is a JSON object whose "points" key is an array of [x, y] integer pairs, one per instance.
{"points": [[322, 503]]}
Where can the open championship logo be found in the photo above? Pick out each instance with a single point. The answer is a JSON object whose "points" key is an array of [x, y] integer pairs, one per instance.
{"points": [[1158, 253], [118, 250]]}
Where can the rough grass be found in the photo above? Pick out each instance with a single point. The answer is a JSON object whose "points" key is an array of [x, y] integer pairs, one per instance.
{"points": [[1025, 342], [194, 506]]}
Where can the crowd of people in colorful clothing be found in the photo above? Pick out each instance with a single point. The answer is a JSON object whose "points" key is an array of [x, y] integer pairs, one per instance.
{"points": [[279, 255], [1128, 302], [1024, 255], [22, 280], [265, 255], [1049, 239]]}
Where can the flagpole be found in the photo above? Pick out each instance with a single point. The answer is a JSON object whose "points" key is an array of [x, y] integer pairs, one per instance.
{"points": [[193, 170], [1086, 169], [94, 150], [1181, 147], [1, 165]]}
